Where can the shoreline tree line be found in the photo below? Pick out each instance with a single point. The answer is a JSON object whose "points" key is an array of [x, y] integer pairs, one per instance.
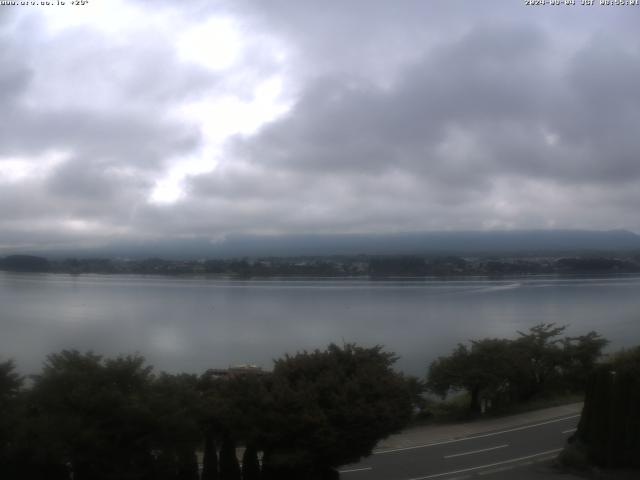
{"points": [[374, 266], [85, 416]]}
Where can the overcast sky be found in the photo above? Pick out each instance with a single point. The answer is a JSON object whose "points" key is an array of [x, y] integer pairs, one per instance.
{"points": [[126, 119]]}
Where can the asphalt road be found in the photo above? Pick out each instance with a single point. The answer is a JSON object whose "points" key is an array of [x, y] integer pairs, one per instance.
{"points": [[483, 454]]}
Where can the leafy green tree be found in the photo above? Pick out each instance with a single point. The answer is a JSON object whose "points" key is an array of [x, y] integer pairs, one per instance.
{"points": [[93, 414], [540, 358], [328, 408], [581, 356], [505, 371], [484, 371]]}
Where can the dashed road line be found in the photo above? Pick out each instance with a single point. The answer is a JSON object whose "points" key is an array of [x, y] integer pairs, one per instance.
{"points": [[484, 435], [476, 451], [352, 470], [481, 467], [497, 470], [571, 430]]}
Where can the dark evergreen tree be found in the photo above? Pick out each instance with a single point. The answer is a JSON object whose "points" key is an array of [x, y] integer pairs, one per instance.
{"points": [[250, 464], [581, 356], [235, 404], [608, 432], [210, 458], [10, 384], [175, 403], [229, 466]]}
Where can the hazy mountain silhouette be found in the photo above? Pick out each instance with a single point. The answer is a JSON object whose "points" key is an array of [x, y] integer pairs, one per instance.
{"points": [[519, 242]]}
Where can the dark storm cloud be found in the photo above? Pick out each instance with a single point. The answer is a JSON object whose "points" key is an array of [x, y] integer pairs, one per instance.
{"points": [[494, 89], [348, 123]]}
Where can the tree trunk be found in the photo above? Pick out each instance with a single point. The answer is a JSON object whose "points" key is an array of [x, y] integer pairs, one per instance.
{"points": [[474, 407]]}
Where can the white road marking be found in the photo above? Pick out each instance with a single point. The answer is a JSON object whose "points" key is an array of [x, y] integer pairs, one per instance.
{"points": [[476, 451], [548, 452], [355, 470], [497, 470], [571, 430], [446, 442]]}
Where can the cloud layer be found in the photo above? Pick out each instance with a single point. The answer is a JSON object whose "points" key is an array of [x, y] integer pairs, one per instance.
{"points": [[126, 122]]}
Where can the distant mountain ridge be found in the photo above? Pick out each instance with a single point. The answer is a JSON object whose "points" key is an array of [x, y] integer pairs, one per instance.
{"points": [[507, 242], [440, 243]]}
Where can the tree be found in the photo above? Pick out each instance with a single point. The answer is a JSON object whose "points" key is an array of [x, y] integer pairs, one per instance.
{"points": [[539, 358], [93, 414], [210, 457], [328, 408], [484, 371], [607, 434], [231, 412], [229, 466], [10, 381], [176, 405], [581, 356], [503, 371], [10, 385], [250, 464]]}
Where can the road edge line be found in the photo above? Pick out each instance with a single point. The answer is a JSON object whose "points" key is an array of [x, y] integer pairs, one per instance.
{"points": [[504, 462], [484, 435]]}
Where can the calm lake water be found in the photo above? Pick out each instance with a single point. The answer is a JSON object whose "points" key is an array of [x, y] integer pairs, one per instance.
{"points": [[184, 324]]}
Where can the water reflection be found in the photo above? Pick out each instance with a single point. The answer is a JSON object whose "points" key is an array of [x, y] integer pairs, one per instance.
{"points": [[194, 323]]}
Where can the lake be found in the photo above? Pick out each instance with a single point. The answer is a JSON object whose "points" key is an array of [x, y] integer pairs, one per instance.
{"points": [[191, 324]]}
